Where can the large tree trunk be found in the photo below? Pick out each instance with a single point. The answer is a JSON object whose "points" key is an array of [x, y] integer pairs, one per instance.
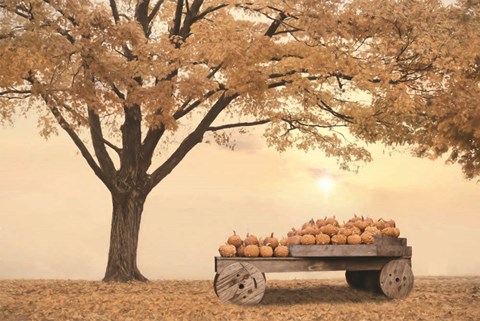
{"points": [[122, 256]]}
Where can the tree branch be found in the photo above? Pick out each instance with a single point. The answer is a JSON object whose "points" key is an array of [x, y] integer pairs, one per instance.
{"points": [[141, 15], [245, 124], [154, 134], [155, 10], [98, 144], [190, 141], [113, 6], [190, 18], [297, 123], [202, 14], [275, 25], [15, 91], [80, 145], [324, 106], [118, 92], [177, 22], [186, 109]]}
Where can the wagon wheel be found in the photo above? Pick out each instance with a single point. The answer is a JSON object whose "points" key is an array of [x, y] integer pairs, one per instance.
{"points": [[215, 280], [240, 283], [396, 279], [363, 280]]}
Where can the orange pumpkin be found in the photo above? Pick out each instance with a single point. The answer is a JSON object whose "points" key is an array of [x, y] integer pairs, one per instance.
{"points": [[235, 240], [227, 250]]}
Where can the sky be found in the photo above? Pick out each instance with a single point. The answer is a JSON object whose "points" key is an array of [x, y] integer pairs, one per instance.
{"points": [[55, 214]]}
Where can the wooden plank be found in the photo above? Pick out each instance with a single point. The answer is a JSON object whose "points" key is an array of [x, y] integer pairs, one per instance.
{"points": [[391, 250], [408, 251], [307, 264], [383, 246], [332, 250], [387, 240]]}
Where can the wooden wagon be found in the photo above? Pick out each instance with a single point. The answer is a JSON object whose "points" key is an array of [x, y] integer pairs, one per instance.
{"points": [[384, 266]]}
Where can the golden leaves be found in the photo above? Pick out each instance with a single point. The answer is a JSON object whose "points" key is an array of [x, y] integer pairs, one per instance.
{"points": [[414, 60], [63, 300]]}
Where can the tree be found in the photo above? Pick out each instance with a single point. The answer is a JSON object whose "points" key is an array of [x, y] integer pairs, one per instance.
{"points": [[124, 79]]}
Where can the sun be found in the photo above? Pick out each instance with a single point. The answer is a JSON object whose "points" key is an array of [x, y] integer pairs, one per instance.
{"points": [[326, 184]]}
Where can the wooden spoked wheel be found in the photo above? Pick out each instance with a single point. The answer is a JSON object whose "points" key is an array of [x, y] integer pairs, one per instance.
{"points": [[363, 280], [240, 283], [396, 279]]}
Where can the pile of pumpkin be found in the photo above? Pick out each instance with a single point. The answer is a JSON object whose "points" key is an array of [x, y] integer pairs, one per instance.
{"points": [[357, 230]]}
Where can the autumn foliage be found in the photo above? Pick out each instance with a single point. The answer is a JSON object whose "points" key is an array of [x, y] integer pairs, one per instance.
{"points": [[136, 76], [434, 298]]}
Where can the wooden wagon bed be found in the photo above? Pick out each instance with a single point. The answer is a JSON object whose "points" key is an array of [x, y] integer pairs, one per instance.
{"points": [[384, 266]]}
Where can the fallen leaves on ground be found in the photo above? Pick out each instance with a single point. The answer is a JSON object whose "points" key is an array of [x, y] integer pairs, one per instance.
{"points": [[433, 298]]}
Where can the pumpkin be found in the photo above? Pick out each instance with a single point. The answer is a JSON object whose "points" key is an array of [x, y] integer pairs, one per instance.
{"points": [[331, 220], [271, 240], [354, 239], [329, 229], [261, 241], [373, 230], [367, 238], [380, 224], [369, 221], [345, 231], [355, 230], [397, 231], [322, 239], [266, 250], [307, 239], [251, 240], [349, 224], [295, 239], [354, 219], [241, 250], [391, 231], [307, 224], [227, 250], [251, 250], [280, 251], [339, 239], [235, 240], [310, 228], [292, 232], [283, 242], [390, 223], [362, 224], [321, 222]]}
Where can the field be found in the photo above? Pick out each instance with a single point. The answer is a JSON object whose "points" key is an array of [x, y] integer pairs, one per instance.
{"points": [[433, 298]]}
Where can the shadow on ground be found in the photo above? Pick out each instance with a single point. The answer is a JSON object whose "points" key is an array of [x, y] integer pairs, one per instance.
{"points": [[321, 294]]}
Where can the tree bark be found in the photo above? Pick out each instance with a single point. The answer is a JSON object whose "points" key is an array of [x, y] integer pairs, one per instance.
{"points": [[122, 255]]}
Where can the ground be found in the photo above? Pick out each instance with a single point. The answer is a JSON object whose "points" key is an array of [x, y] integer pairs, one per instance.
{"points": [[433, 298]]}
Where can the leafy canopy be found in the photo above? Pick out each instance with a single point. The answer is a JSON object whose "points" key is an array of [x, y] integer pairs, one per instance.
{"points": [[315, 74]]}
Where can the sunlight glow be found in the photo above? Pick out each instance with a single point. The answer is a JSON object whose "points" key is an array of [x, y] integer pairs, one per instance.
{"points": [[326, 184]]}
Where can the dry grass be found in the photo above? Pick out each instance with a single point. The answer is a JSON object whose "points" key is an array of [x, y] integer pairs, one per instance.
{"points": [[433, 298]]}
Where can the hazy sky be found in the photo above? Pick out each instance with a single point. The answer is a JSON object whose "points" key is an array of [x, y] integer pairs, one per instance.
{"points": [[55, 214]]}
